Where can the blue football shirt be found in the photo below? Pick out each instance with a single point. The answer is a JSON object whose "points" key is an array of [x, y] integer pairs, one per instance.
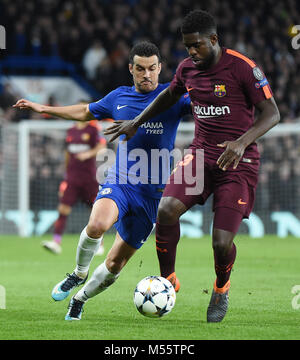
{"points": [[144, 161]]}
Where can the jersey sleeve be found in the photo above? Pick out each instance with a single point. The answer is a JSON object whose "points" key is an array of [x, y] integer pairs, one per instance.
{"points": [[185, 105], [102, 139], [94, 136], [102, 108], [254, 83], [177, 85], [97, 133]]}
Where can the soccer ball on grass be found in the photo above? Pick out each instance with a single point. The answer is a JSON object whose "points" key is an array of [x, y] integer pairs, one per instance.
{"points": [[154, 296]]}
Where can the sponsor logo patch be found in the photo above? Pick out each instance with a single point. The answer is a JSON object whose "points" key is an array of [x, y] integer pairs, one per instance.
{"points": [[211, 111], [121, 107], [258, 74], [261, 83]]}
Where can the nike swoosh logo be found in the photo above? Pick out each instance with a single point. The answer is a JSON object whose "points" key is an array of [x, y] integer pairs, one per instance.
{"points": [[161, 250], [121, 106], [241, 202]]}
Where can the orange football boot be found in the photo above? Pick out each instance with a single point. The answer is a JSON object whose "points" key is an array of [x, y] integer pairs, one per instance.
{"points": [[174, 281]]}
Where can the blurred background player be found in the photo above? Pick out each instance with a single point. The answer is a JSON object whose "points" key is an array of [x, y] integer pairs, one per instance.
{"points": [[83, 142]]}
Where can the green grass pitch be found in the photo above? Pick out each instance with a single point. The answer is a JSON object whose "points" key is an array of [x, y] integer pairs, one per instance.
{"points": [[265, 272]]}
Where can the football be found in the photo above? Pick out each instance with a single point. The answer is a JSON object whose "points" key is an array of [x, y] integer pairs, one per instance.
{"points": [[154, 296]]}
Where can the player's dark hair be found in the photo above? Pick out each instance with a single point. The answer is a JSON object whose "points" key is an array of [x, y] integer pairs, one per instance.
{"points": [[144, 48], [198, 21]]}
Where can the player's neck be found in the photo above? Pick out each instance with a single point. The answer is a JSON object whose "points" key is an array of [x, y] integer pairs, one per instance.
{"points": [[218, 55], [144, 92], [81, 124]]}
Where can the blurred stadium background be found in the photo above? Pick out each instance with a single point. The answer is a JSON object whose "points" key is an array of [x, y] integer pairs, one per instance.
{"points": [[62, 51]]}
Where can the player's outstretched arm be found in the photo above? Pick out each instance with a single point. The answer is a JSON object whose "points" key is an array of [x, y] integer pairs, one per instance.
{"points": [[161, 103], [269, 116], [129, 127], [78, 112]]}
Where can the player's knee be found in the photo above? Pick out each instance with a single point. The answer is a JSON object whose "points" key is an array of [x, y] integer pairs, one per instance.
{"points": [[221, 243], [97, 228], [64, 209], [167, 211], [114, 265]]}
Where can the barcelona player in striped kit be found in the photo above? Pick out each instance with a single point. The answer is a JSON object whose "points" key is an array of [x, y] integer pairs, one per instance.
{"points": [[83, 142]]}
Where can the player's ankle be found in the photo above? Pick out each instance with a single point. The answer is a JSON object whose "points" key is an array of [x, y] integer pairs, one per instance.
{"points": [[57, 238], [81, 274], [174, 281], [223, 289]]}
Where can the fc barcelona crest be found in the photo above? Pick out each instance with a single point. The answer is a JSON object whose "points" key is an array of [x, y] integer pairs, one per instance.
{"points": [[220, 90], [85, 137]]}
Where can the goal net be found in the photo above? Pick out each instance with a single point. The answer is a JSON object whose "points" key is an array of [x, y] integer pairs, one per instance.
{"points": [[32, 167]]}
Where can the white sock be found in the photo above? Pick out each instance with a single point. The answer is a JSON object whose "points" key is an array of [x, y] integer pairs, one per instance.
{"points": [[86, 249], [100, 280]]}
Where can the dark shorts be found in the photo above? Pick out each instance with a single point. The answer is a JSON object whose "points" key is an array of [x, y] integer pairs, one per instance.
{"points": [[85, 191], [233, 189]]}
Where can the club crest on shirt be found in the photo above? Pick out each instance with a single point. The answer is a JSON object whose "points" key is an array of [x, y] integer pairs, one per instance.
{"points": [[85, 136], [106, 191], [220, 90]]}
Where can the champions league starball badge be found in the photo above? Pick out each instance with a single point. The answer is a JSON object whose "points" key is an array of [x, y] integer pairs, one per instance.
{"points": [[258, 74]]}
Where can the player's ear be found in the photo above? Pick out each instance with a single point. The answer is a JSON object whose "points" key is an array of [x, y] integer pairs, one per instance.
{"points": [[130, 68], [159, 68], [214, 39]]}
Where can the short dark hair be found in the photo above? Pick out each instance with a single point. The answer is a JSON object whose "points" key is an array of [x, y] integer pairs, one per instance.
{"points": [[198, 21], [144, 48]]}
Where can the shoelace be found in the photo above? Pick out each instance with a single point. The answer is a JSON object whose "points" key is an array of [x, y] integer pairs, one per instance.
{"points": [[76, 308], [72, 281]]}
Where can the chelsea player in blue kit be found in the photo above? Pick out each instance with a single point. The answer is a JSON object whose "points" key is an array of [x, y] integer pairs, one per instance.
{"points": [[128, 199]]}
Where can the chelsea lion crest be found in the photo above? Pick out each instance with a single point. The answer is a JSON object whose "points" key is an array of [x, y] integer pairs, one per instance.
{"points": [[106, 191]]}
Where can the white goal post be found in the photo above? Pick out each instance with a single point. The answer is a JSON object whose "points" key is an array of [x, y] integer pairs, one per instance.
{"points": [[28, 194], [25, 127]]}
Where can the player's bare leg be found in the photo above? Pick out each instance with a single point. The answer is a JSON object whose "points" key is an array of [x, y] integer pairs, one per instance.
{"points": [[119, 255], [167, 236], [104, 276], [54, 246], [104, 214]]}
